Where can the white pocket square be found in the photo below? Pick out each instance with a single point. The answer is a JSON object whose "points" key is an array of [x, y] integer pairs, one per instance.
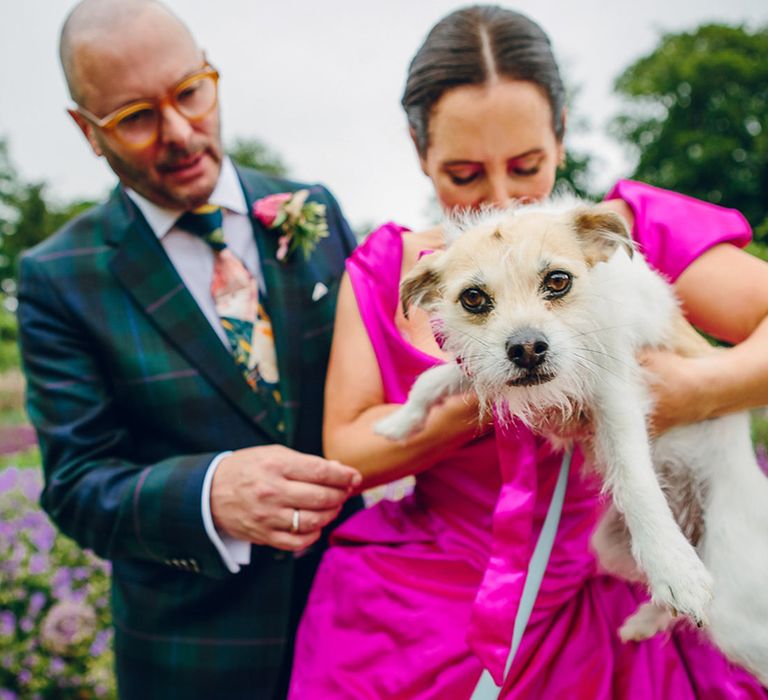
{"points": [[319, 291]]}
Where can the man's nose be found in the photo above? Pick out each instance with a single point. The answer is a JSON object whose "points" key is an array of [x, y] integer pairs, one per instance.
{"points": [[175, 129]]}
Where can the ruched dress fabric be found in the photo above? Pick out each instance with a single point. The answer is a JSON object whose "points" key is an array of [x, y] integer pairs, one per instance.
{"points": [[415, 597]]}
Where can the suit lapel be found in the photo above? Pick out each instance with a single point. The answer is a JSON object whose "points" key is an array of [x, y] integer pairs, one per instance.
{"points": [[145, 272], [284, 282]]}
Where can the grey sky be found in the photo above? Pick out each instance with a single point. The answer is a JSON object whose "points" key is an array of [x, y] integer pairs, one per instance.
{"points": [[320, 83]]}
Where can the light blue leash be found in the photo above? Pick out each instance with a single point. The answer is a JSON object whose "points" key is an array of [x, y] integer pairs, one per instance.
{"points": [[486, 689]]}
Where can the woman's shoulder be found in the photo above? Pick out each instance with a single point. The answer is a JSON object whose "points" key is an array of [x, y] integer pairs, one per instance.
{"points": [[417, 243], [394, 245]]}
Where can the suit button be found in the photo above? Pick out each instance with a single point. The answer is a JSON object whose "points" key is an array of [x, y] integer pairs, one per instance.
{"points": [[279, 555]]}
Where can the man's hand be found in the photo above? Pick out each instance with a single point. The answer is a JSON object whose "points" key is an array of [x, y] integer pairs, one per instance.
{"points": [[255, 492]]}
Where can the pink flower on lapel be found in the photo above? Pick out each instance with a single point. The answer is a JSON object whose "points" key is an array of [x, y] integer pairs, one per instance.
{"points": [[301, 223], [267, 208]]}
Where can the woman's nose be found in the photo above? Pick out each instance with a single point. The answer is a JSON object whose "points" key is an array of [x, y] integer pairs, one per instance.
{"points": [[499, 192]]}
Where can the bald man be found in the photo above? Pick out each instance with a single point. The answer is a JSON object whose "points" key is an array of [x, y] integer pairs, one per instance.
{"points": [[197, 473]]}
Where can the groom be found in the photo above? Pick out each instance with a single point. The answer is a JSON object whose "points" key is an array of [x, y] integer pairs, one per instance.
{"points": [[175, 358]]}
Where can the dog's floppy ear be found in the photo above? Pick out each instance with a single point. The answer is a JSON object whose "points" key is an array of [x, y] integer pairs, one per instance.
{"points": [[601, 232], [421, 286]]}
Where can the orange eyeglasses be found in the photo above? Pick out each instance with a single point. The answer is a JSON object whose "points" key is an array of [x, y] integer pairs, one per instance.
{"points": [[137, 125]]}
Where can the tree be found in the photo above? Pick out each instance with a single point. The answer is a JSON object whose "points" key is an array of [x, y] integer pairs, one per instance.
{"points": [[575, 174], [252, 153], [696, 117], [26, 218]]}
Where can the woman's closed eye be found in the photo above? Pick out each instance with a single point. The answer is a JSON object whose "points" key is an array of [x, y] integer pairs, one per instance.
{"points": [[525, 167], [464, 174]]}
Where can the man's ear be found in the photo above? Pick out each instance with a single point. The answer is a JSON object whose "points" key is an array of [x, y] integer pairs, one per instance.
{"points": [[421, 286], [601, 232], [87, 128]]}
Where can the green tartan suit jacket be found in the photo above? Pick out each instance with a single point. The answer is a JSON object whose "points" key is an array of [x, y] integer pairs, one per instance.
{"points": [[132, 395]]}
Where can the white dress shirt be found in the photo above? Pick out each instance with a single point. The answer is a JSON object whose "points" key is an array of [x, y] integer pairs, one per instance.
{"points": [[193, 259]]}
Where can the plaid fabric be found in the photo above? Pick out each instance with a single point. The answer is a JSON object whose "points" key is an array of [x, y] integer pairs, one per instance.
{"points": [[132, 395]]}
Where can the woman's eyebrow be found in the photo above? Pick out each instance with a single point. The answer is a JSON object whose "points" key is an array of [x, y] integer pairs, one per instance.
{"points": [[532, 151]]}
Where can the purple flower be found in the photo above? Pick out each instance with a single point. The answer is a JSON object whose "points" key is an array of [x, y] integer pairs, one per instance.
{"points": [[43, 537], [62, 577], [7, 530], [31, 484], [101, 642], [7, 623], [36, 603], [27, 624], [67, 624], [25, 676], [79, 596], [6, 694], [38, 564], [8, 478], [80, 573], [762, 458], [57, 665]]}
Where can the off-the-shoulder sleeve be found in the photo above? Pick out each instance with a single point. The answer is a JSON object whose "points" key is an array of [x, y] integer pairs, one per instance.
{"points": [[673, 230]]}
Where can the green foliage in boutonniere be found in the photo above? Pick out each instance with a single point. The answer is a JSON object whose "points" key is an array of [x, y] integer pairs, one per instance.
{"points": [[302, 223]]}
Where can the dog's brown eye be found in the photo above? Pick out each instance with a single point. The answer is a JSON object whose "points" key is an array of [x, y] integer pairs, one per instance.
{"points": [[476, 301], [557, 283]]}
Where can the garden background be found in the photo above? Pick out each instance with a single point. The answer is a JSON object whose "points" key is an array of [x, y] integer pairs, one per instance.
{"points": [[692, 118]]}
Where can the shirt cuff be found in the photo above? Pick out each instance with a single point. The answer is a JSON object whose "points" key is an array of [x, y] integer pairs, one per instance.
{"points": [[233, 552]]}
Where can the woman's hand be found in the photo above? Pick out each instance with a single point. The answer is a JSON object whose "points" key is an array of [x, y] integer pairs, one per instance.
{"points": [[680, 387]]}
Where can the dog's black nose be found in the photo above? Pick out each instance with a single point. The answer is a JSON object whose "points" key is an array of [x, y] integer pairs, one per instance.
{"points": [[527, 348]]}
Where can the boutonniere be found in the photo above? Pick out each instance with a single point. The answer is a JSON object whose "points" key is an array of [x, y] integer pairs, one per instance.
{"points": [[302, 224]]}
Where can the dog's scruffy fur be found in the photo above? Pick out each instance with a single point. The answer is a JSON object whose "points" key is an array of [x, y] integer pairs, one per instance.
{"points": [[545, 307]]}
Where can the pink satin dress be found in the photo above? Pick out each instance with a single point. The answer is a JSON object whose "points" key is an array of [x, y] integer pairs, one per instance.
{"points": [[415, 597]]}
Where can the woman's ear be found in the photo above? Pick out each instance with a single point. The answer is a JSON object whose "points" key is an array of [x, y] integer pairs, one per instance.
{"points": [[561, 155], [422, 159]]}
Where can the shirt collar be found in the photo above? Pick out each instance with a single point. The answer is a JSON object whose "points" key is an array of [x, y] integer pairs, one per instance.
{"points": [[228, 194]]}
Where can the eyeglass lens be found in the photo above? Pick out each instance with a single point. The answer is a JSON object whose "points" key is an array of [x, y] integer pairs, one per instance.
{"points": [[194, 99]]}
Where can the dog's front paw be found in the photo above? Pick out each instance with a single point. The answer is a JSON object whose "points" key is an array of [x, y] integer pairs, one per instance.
{"points": [[399, 424], [681, 583]]}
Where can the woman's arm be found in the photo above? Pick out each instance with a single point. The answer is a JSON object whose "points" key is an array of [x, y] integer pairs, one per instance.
{"points": [[354, 401], [724, 292]]}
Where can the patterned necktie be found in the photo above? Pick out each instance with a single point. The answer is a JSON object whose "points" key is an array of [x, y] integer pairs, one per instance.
{"points": [[243, 317]]}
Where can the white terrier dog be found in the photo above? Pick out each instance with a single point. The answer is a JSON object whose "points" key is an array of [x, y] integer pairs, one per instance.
{"points": [[545, 308]]}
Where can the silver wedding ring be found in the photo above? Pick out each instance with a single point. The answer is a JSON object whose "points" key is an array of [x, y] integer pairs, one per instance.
{"points": [[295, 521]]}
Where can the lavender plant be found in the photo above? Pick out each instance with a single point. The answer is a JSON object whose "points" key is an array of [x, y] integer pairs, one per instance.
{"points": [[54, 603]]}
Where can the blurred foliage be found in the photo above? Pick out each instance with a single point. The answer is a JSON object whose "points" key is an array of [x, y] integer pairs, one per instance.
{"points": [[696, 117], [575, 174], [759, 250], [26, 218], [252, 153]]}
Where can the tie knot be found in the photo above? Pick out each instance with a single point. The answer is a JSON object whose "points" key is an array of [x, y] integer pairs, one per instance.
{"points": [[205, 222]]}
